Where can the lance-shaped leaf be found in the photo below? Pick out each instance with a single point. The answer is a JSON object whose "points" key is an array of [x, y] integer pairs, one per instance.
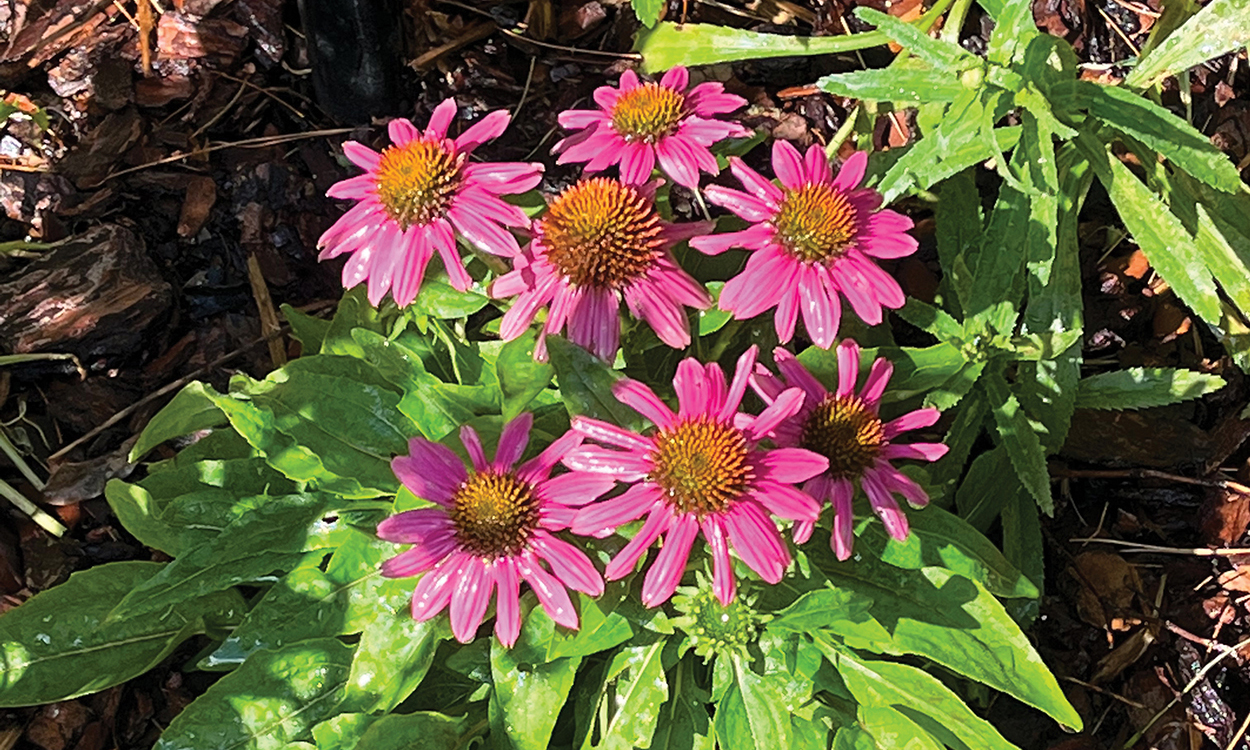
{"points": [[1219, 28], [586, 385], [1144, 387], [640, 692], [1023, 446]]}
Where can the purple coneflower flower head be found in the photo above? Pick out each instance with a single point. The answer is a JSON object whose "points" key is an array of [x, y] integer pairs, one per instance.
{"points": [[697, 473], [490, 529], [843, 427], [640, 124], [416, 196], [601, 241], [813, 240]]}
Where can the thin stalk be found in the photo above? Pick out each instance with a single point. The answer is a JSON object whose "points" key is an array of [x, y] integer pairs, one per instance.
{"points": [[955, 21], [47, 522], [11, 451]]}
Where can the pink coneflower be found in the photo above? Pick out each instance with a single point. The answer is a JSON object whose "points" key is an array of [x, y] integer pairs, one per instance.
{"points": [[697, 472], [491, 528], [413, 199], [813, 238], [844, 428], [642, 123], [599, 241]]}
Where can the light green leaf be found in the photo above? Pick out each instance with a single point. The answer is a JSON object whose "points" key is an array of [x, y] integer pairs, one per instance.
{"points": [[528, 698], [906, 84], [1022, 444], [1162, 131], [640, 692], [308, 330], [1219, 28], [648, 11], [751, 715], [1144, 387], [425, 729], [521, 379], [891, 728], [194, 408], [669, 45], [395, 651], [439, 299], [275, 697], [57, 646], [943, 55], [1014, 28]]}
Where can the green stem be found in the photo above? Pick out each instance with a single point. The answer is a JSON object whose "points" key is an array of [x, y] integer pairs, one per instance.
{"points": [[955, 21], [11, 451], [49, 524]]}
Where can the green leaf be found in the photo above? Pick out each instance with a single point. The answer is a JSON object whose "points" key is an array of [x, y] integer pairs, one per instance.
{"points": [[751, 715], [670, 44], [1014, 28], [950, 619], [917, 371], [980, 496], [424, 729], [271, 538], [941, 54], [648, 11], [1144, 387], [891, 728], [57, 646], [1022, 536], [275, 697], [942, 539], [1162, 131], [853, 738], [1161, 235], [586, 385], [354, 311], [684, 723], [842, 610], [439, 299], [194, 408], [906, 84], [521, 379], [342, 732], [1022, 444], [395, 651], [1219, 28], [920, 697], [640, 692], [310, 331], [528, 698]]}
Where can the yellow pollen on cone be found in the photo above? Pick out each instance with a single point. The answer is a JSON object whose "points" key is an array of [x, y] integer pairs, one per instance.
{"points": [[847, 432], [601, 233], [648, 113], [416, 181], [701, 465], [815, 223], [494, 514]]}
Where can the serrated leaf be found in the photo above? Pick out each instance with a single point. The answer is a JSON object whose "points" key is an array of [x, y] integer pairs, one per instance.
{"points": [[308, 330], [1014, 28], [941, 54], [891, 728], [586, 385], [1022, 538], [57, 646], [439, 299], [1162, 131], [1023, 446], [1219, 28], [1144, 387], [980, 497], [275, 697], [907, 84], [648, 11]]}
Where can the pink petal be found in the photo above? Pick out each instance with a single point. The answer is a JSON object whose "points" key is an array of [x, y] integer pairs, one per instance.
{"points": [[551, 593], [513, 441], [913, 420], [785, 406], [751, 238], [643, 400], [754, 537], [658, 521], [488, 128], [414, 526], [787, 315], [845, 278], [441, 119], [637, 162], [417, 251], [723, 583], [916, 451], [353, 188], [677, 163], [896, 481], [611, 434], [575, 489], [822, 311], [738, 388], [848, 367], [852, 172], [743, 204], [797, 375], [843, 518], [785, 501], [361, 155], [692, 388], [539, 468], [754, 182], [816, 164], [767, 276], [676, 78], [603, 518], [789, 465], [507, 601], [665, 573], [788, 165], [626, 466], [420, 558], [874, 385], [433, 591], [473, 446], [568, 563], [401, 131], [884, 505], [432, 471], [470, 599], [629, 80], [481, 232], [503, 178]]}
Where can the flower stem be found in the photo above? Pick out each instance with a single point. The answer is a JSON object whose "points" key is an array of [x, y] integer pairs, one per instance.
{"points": [[11, 451], [49, 524], [698, 196]]}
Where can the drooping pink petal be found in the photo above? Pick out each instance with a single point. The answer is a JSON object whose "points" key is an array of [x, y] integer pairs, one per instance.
{"points": [[568, 563], [658, 521], [551, 593], [665, 573], [843, 519], [430, 470], [796, 374], [916, 451], [604, 432], [728, 405], [785, 406], [848, 367], [420, 558], [884, 505], [603, 518], [912, 420], [643, 400], [507, 601], [785, 501], [539, 467], [743, 204], [361, 155], [754, 537], [470, 599], [723, 584], [577, 488], [790, 465], [874, 384]]}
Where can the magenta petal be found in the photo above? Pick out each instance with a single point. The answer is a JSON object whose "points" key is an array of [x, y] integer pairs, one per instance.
{"points": [[420, 558], [507, 601], [401, 131], [568, 563], [551, 593], [852, 172], [797, 375], [884, 505], [843, 518], [488, 128], [643, 400], [361, 155], [874, 386], [513, 440], [658, 521], [470, 599], [692, 388], [539, 468], [789, 465], [431, 471], [576, 488], [433, 591], [665, 573], [785, 501], [441, 119], [413, 526], [603, 518], [473, 445], [723, 583], [728, 406], [611, 434], [754, 182], [624, 465], [788, 165], [676, 78], [916, 451], [848, 367], [787, 405], [911, 421], [754, 537], [816, 164]]}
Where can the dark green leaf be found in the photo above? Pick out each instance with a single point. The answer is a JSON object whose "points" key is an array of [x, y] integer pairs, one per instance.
{"points": [[57, 646], [586, 385], [194, 408], [980, 496], [308, 330], [1022, 535], [684, 723], [273, 698], [1022, 444], [521, 379]]}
